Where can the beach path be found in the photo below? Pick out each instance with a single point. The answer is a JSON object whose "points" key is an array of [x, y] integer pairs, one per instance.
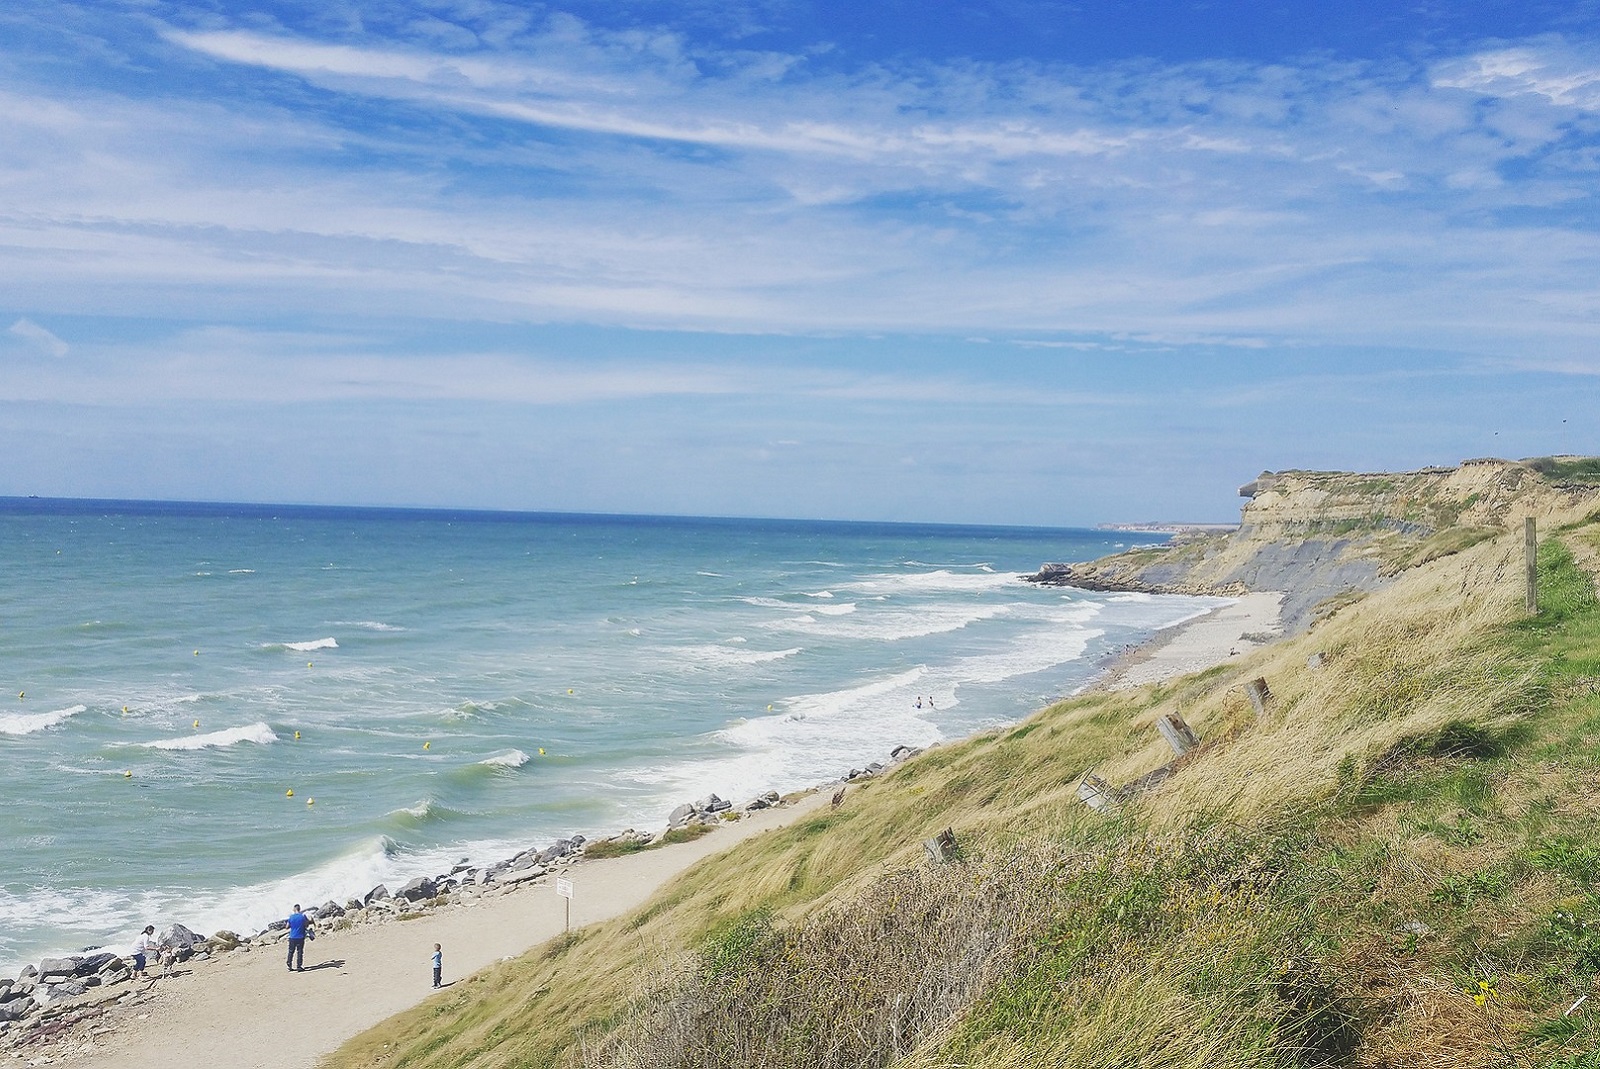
{"points": [[246, 1010]]}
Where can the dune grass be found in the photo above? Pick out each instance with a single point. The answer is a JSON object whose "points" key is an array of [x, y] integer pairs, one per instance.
{"points": [[1393, 867]]}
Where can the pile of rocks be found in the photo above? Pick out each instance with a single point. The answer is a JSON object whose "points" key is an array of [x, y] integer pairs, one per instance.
{"points": [[43, 994]]}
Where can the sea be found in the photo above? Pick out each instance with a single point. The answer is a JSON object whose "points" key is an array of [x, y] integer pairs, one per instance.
{"points": [[211, 712]]}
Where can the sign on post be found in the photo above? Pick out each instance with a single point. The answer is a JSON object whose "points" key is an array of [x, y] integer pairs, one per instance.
{"points": [[564, 889]]}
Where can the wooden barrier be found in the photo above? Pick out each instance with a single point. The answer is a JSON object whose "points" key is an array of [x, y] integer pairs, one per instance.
{"points": [[1097, 794], [1178, 734], [1260, 695], [942, 848]]}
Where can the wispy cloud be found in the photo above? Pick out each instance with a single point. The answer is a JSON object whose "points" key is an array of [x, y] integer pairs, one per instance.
{"points": [[38, 337], [544, 169]]}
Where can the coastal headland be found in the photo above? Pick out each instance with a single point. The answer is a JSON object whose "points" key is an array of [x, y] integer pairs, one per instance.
{"points": [[1368, 846]]}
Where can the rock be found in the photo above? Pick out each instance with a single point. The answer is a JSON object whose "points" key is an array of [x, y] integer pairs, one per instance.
{"points": [[757, 803], [901, 753], [680, 816], [875, 767], [377, 894], [418, 890], [559, 848], [95, 963], [52, 969], [772, 797], [179, 937], [523, 875], [329, 909], [225, 940], [58, 992], [719, 805], [15, 1009]]}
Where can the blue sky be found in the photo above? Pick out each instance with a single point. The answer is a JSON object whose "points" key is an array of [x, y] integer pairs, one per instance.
{"points": [[1008, 262]]}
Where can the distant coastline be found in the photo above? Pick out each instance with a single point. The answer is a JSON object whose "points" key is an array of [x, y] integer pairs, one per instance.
{"points": [[1168, 528]]}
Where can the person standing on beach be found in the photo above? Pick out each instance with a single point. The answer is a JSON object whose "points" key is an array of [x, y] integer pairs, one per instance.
{"points": [[438, 963], [299, 928]]}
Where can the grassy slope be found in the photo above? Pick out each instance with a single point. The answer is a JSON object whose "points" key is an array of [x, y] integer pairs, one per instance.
{"points": [[1393, 869]]}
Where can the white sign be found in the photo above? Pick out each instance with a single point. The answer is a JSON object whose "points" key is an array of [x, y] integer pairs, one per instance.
{"points": [[563, 887]]}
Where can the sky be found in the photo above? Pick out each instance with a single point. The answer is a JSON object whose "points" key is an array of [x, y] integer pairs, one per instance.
{"points": [[1013, 262]]}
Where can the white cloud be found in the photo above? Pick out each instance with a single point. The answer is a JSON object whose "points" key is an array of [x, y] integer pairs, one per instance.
{"points": [[1547, 68], [628, 179], [38, 337]]}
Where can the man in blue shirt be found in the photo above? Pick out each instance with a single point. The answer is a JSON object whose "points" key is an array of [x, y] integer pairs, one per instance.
{"points": [[299, 928]]}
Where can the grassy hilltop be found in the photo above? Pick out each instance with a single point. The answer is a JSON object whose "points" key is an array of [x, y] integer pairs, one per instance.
{"points": [[1393, 867]]}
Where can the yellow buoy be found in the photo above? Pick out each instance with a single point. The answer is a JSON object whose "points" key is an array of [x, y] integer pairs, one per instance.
{"points": [[127, 775], [426, 745], [289, 793], [541, 751], [769, 708], [569, 690], [197, 723], [124, 710], [308, 664], [197, 653], [21, 694], [297, 736], [311, 801]]}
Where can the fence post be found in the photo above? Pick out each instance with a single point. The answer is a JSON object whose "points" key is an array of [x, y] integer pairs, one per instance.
{"points": [[1097, 794], [1530, 554], [1178, 734], [1260, 695]]}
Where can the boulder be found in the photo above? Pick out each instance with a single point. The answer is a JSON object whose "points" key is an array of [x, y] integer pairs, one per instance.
{"points": [[225, 940], [558, 849], [179, 938], [680, 816], [95, 963], [418, 890], [718, 805], [52, 969], [15, 1009], [901, 753], [59, 992], [377, 894]]}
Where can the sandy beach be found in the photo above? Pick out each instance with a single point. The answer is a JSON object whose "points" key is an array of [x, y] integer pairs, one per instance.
{"points": [[1198, 644], [245, 1010]]}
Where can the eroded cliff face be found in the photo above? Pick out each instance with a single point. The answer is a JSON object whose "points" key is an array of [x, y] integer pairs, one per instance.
{"points": [[1322, 536]]}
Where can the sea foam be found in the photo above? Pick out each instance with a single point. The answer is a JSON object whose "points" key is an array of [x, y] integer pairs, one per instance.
{"points": [[303, 647], [509, 759], [258, 733], [28, 723]]}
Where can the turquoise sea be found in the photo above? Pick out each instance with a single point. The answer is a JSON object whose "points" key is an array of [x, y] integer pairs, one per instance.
{"points": [[439, 686]]}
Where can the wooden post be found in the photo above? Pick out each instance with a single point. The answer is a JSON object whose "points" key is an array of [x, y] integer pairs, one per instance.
{"points": [[1097, 794], [1178, 734], [1530, 553], [1260, 695], [942, 848]]}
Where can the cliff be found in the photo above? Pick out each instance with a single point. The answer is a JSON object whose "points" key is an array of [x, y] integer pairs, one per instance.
{"points": [[1324, 537]]}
